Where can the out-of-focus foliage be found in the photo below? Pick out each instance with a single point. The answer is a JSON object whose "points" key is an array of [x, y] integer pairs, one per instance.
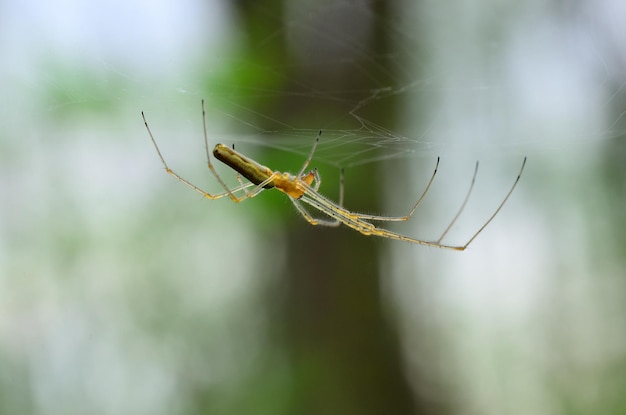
{"points": [[121, 291]]}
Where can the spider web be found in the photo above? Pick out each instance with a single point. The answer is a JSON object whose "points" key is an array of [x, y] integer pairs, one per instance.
{"points": [[518, 94]]}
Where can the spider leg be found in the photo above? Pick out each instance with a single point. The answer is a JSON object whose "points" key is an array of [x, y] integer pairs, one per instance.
{"points": [[242, 188], [249, 194], [341, 215], [318, 177], [228, 191], [392, 235], [310, 157], [311, 219], [499, 206], [399, 237], [395, 218], [178, 177], [318, 182], [239, 177], [456, 217], [341, 186], [208, 158], [241, 183]]}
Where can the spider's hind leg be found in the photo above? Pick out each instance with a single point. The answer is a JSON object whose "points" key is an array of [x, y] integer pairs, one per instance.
{"points": [[313, 221]]}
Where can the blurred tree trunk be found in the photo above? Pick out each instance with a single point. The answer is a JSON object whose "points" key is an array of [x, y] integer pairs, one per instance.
{"points": [[342, 348]]}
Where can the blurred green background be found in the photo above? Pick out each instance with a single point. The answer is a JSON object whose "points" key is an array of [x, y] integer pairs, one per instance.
{"points": [[124, 292]]}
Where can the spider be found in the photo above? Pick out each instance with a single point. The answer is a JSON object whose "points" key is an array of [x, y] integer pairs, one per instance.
{"points": [[303, 188]]}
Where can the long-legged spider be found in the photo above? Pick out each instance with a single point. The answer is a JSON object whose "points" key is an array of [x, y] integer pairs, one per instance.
{"points": [[303, 188]]}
